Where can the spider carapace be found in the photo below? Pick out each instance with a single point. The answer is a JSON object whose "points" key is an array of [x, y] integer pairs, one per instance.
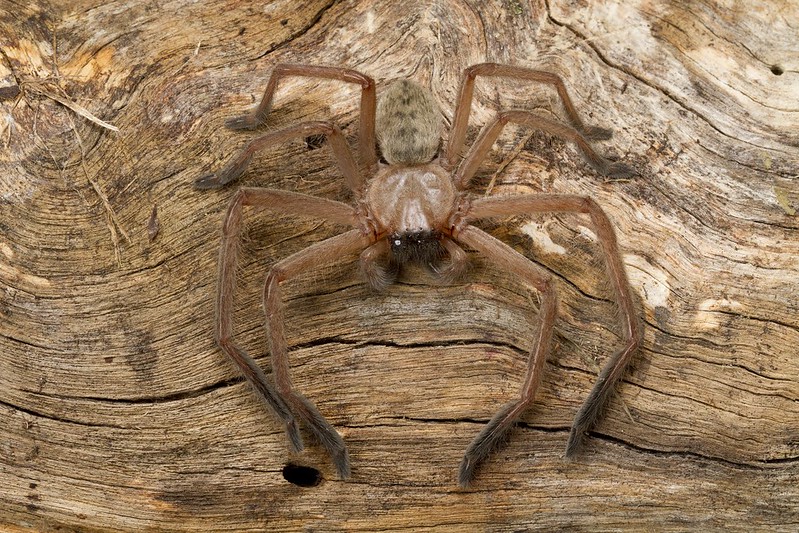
{"points": [[413, 205]]}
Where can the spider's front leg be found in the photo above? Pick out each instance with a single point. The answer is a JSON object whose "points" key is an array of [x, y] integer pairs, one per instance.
{"points": [[287, 404], [497, 429], [284, 401], [631, 331], [320, 253]]}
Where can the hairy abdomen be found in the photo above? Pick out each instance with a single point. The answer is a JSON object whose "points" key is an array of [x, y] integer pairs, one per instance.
{"points": [[408, 124]]}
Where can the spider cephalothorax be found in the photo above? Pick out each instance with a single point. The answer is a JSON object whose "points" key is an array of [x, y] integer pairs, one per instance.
{"points": [[413, 207]]}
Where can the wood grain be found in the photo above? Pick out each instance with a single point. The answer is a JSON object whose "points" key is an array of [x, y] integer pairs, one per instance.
{"points": [[118, 412]]}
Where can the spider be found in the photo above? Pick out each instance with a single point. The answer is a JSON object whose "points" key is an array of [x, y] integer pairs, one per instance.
{"points": [[413, 206]]}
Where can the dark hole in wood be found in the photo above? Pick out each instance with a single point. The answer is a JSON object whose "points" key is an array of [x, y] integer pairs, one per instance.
{"points": [[777, 70], [302, 476], [315, 141]]}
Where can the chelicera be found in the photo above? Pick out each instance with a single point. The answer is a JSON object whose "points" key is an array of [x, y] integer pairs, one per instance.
{"points": [[414, 206]]}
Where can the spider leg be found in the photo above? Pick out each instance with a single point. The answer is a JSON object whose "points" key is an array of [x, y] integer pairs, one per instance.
{"points": [[496, 431], [317, 254], [290, 203], [489, 134], [366, 136], [464, 105], [238, 164], [631, 331]]}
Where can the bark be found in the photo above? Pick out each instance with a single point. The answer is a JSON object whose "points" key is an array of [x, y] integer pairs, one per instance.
{"points": [[117, 410]]}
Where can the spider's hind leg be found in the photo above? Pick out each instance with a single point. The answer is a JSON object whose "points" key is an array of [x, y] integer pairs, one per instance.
{"points": [[368, 103], [466, 92]]}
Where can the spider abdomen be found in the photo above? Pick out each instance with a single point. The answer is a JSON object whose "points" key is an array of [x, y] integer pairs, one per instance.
{"points": [[408, 124]]}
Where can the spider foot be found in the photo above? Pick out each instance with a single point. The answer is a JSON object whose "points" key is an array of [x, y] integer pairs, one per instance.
{"points": [[243, 122], [466, 472], [575, 442], [231, 172], [342, 463], [494, 435], [594, 133], [587, 416], [619, 170], [327, 436], [295, 439], [208, 181]]}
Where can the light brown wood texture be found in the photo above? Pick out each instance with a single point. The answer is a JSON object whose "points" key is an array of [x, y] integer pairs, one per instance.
{"points": [[119, 413]]}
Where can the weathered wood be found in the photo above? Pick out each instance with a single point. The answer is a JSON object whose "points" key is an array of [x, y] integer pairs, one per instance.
{"points": [[118, 411]]}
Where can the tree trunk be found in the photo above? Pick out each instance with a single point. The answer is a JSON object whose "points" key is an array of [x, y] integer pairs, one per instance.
{"points": [[120, 413]]}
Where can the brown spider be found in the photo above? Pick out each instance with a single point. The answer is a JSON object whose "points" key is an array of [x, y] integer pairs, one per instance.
{"points": [[413, 209]]}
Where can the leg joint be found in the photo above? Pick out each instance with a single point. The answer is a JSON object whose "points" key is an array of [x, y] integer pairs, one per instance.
{"points": [[506, 116], [275, 276], [589, 205], [546, 286], [324, 127], [471, 72]]}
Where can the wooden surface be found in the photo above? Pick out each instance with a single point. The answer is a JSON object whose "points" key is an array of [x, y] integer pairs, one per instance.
{"points": [[118, 412]]}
